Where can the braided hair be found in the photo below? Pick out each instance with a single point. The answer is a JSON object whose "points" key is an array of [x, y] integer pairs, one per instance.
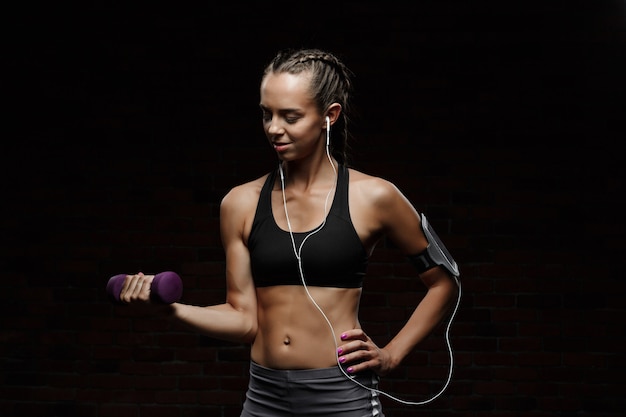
{"points": [[330, 83]]}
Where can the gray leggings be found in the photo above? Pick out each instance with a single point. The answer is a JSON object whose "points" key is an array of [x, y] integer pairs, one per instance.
{"points": [[323, 392]]}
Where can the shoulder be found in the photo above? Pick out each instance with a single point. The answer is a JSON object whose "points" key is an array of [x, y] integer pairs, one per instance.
{"points": [[244, 194], [373, 189], [381, 207], [238, 206], [379, 203]]}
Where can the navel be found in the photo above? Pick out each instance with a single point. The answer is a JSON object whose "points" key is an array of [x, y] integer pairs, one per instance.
{"points": [[286, 341]]}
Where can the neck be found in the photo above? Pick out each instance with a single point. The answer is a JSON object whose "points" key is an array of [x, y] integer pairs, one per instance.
{"points": [[307, 175]]}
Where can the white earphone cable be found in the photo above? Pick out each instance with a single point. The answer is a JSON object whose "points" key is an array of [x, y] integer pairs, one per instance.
{"points": [[298, 253]]}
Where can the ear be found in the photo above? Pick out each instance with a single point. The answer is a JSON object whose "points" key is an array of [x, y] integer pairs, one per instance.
{"points": [[333, 112]]}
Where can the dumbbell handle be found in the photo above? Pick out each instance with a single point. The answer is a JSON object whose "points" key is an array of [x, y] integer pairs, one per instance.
{"points": [[166, 288]]}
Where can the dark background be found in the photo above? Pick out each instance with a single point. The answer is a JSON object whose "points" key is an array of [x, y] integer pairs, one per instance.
{"points": [[502, 121]]}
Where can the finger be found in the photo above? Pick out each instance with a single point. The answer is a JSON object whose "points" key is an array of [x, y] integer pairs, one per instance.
{"points": [[354, 334], [142, 289], [124, 291], [355, 339], [357, 352], [356, 367], [135, 287]]}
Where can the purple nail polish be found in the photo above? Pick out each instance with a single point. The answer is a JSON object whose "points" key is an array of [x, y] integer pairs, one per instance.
{"points": [[350, 369], [342, 359]]}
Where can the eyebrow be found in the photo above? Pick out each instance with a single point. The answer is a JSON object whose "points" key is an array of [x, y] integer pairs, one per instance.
{"points": [[281, 111]]}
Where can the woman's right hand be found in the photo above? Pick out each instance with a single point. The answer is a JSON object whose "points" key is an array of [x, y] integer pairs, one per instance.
{"points": [[136, 289], [135, 293]]}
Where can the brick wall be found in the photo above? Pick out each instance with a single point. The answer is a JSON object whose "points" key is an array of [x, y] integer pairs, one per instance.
{"points": [[502, 125]]}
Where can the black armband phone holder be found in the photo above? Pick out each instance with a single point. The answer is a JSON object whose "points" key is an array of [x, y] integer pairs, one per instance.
{"points": [[435, 253]]}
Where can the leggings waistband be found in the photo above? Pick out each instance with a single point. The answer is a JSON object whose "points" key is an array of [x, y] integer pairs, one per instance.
{"points": [[295, 374], [324, 392]]}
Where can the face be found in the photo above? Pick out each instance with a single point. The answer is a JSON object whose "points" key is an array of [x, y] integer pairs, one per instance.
{"points": [[291, 120]]}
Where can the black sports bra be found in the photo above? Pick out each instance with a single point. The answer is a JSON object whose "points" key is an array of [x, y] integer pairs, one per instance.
{"points": [[332, 257]]}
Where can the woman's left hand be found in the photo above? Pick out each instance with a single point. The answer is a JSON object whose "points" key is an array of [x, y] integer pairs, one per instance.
{"points": [[360, 353]]}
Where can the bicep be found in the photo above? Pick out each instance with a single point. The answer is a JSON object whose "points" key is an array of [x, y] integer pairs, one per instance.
{"points": [[401, 221], [403, 227], [240, 291]]}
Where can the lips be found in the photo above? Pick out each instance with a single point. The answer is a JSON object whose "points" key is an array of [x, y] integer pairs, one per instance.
{"points": [[280, 146]]}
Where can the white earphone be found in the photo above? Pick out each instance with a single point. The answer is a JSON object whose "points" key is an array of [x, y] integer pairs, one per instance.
{"points": [[327, 131], [298, 252]]}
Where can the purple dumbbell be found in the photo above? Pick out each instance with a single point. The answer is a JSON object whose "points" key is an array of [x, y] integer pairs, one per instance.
{"points": [[166, 287]]}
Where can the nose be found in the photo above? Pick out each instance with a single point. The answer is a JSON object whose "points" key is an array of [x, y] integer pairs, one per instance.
{"points": [[274, 127]]}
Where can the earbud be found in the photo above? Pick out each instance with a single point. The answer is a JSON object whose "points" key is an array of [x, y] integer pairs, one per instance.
{"points": [[327, 131]]}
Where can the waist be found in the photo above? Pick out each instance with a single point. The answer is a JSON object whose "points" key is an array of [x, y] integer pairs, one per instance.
{"points": [[294, 334], [295, 374]]}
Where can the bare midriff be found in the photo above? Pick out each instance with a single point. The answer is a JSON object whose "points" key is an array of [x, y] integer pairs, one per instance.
{"points": [[293, 333]]}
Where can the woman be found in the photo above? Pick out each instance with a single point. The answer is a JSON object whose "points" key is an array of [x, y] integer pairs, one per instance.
{"points": [[297, 242]]}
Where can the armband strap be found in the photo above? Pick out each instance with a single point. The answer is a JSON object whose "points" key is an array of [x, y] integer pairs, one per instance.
{"points": [[435, 253]]}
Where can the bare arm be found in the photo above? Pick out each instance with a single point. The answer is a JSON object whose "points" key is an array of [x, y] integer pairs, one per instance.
{"points": [[236, 319]]}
